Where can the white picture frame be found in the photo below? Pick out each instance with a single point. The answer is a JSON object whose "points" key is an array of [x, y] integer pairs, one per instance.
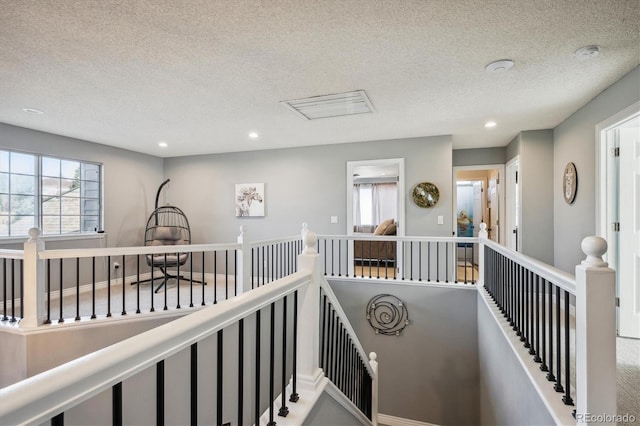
{"points": [[249, 200]]}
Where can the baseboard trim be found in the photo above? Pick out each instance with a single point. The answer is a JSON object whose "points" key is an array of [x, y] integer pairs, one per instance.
{"points": [[387, 420]]}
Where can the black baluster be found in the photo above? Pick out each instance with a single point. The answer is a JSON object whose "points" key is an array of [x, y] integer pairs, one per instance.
{"points": [[194, 384], [215, 277], [294, 394], [283, 411], [219, 378], [253, 259], [240, 371], [543, 341], [78, 289], [526, 298], [446, 262], [256, 408], [159, 390], [272, 344], [138, 284], [108, 284], [191, 280], [93, 287], [61, 295], [48, 319], [226, 275], [124, 311], [58, 420], [116, 404], [235, 273], [567, 354], [420, 261], [537, 358], [550, 375], [203, 303], [558, 386]]}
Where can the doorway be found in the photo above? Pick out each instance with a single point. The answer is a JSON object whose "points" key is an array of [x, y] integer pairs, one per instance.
{"points": [[375, 194], [618, 210], [479, 198]]}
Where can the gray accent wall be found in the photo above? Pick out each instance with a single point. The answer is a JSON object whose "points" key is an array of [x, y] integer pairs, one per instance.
{"points": [[130, 179], [535, 148], [430, 372], [328, 411], [575, 141], [479, 156], [303, 185]]}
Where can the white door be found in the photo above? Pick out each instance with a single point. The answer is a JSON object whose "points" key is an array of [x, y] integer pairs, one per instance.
{"points": [[493, 207], [629, 228], [513, 205]]}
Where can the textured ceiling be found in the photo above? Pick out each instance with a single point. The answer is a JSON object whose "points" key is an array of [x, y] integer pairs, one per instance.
{"points": [[201, 75]]}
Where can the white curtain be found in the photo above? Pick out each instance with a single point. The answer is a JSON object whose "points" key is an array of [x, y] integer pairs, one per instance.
{"points": [[385, 202], [379, 206]]}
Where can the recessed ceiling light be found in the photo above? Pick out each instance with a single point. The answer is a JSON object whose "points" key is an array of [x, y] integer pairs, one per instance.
{"points": [[163, 144], [490, 124], [253, 135], [499, 66], [588, 52], [33, 111]]}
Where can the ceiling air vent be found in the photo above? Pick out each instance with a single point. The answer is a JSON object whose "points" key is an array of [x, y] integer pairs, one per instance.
{"points": [[336, 105]]}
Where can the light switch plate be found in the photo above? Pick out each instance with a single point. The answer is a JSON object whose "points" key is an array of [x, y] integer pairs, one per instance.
{"points": [[334, 219], [440, 220]]}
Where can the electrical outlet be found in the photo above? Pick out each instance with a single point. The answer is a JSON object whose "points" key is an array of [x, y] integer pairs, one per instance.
{"points": [[334, 219], [116, 265]]}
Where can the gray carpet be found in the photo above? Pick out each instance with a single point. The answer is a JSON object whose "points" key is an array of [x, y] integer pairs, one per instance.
{"points": [[628, 378]]}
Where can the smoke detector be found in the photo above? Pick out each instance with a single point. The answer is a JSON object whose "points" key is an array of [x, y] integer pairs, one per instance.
{"points": [[588, 52], [501, 65]]}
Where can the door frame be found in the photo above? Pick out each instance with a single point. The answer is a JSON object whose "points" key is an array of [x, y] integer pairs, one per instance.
{"points": [[501, 196], [400, 230], [605, 179], [509, 207]]}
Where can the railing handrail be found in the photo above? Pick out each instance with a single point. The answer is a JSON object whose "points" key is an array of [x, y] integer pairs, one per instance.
{"points": [[407, 238], [557, 276], [120, 251], [346, 323], [275, 241], [63, 387], [11, 254]]}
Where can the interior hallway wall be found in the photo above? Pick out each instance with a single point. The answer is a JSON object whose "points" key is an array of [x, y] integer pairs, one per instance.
{"points": [[575, 141], [303, 185]]}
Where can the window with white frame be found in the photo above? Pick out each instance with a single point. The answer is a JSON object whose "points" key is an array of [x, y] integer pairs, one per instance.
{"points": [[60, 196]]}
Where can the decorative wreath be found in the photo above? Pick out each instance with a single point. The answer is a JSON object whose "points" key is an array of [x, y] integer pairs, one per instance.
{"points": [[425, 194]]}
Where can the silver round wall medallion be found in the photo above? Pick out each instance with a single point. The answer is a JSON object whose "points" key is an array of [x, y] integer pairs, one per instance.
{"points": [[570, 183]]}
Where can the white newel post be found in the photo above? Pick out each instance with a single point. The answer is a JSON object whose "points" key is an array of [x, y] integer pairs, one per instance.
{"points": [[307, 360], [243, 283], [483, 235], [595, 336], [374, 388], [33, 297]]}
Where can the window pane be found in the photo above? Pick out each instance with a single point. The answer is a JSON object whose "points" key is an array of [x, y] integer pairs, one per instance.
{"points": [[51, 224], [70, 224], [70, 206], [70, 188], [50, 186], [50, 167], [90, 223], [22, 163], [4, 183], [91, 189], [90, 172], [70, 169], [90, 207], [23, 184], [4, 226], [22, 205], [4, 204], [4, 161], [51, 205], [20, 225]]}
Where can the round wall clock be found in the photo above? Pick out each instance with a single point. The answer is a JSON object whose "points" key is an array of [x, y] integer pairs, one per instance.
{"points": [[570, 183], [425, 194]]}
